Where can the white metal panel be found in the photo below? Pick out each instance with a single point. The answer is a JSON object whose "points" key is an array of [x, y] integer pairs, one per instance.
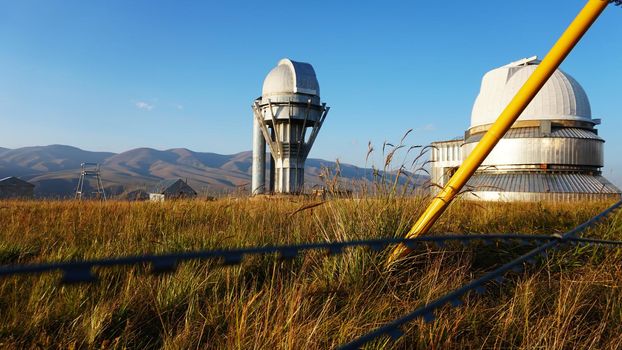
{"points": [[290, 77], [543, 150], [562, 97]]}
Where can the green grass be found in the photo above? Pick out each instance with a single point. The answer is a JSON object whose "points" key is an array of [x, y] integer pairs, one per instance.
{"points": [[570, 300]]}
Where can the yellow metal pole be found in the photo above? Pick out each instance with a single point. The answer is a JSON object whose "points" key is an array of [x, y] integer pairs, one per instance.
{"points": [[536, 81]]}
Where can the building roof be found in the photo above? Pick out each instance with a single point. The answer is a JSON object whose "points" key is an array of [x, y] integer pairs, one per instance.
{"points": [[291, 77], [520, 133], [164, 185], [561, 98], [12, 180], [541, 183]]}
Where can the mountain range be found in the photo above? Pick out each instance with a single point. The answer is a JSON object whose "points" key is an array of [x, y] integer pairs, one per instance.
{"points": [[55, 169]]}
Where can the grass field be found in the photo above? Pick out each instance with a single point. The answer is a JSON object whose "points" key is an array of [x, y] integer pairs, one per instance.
{"points": [[570, 300]]}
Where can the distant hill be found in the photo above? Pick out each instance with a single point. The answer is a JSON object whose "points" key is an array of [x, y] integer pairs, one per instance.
{"points": [[55, 169]]}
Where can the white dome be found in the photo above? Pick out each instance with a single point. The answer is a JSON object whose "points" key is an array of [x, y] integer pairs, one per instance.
{"points": [[290, 77], [561, 98]]}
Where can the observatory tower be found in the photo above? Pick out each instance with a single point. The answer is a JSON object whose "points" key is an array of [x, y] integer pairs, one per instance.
{"points": [[287, 117], [552, 152]]}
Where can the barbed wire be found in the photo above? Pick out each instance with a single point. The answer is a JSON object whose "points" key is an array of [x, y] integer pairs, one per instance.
{"points": [[81, 271], [597, 242], [453, 298]]}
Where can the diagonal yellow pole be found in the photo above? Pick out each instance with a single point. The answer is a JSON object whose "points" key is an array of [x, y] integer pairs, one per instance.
{"points": [[536, 81]]}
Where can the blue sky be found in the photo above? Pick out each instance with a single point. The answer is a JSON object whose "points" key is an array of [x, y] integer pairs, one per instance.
{"points": [[115, 75]]}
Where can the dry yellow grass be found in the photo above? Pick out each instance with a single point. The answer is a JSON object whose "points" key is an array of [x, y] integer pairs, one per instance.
{"points": [[571, 300]]}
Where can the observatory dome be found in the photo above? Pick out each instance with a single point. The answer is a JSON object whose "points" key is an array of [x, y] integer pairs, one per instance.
{"points": [[561, 98], [291, 77]]}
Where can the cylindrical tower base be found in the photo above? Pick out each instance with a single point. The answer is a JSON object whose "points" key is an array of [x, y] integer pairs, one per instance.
{"points": [[258, 177]]}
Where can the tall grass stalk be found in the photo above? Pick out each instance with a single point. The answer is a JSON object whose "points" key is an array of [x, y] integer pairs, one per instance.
{"points": [[317, 301]]}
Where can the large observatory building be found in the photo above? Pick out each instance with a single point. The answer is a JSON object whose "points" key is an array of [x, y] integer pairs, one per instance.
{"points": [[552, 152], [287, 117]]}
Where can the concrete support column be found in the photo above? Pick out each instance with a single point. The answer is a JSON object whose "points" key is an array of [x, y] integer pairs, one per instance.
{"points": [[289, 175], [272, 167], [258, 182]]}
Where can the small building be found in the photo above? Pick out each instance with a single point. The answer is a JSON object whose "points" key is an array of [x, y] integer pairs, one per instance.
{"points": [[13, 188], [171, 189]]}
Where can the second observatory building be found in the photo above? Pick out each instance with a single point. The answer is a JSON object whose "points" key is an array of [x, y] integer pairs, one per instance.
{"points": [[287, 117], [552, 152]]}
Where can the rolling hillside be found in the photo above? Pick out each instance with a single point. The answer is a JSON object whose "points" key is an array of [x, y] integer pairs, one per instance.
{"points": [[54, 169]]}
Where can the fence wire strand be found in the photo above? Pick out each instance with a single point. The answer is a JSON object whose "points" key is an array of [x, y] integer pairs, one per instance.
{"points": [[453, 298], [81, 271]]}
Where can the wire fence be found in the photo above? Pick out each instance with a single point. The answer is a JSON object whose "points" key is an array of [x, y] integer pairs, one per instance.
{"points": [[82, 271], [453, 298]]}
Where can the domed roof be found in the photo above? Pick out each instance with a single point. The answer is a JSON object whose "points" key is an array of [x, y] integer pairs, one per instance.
{"points": [[561, 98], [291, 77]]}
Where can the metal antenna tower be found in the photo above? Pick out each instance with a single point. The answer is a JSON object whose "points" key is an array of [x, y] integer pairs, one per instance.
{"points": [[90, 170]]}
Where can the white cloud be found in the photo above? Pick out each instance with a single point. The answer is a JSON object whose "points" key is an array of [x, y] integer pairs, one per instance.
{"points": [[144, 105], [429, 127]]}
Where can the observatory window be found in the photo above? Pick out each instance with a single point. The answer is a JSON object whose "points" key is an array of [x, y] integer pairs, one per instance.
{"points": [[308, 131]]}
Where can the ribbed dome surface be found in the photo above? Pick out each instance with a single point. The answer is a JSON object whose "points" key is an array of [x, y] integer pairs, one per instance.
{"points": [[561, 98], [290, 77]]}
